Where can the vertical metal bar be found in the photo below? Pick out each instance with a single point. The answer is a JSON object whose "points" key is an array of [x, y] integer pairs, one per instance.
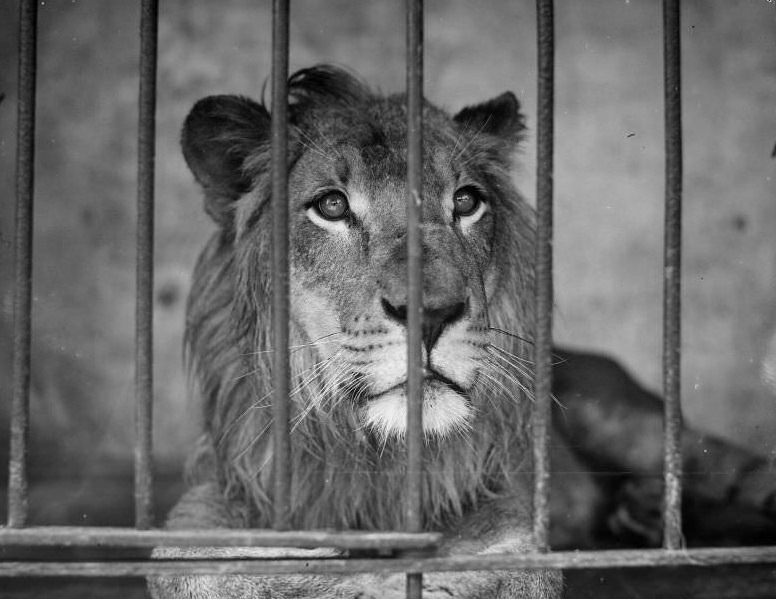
{"points": [[146, 152], [280, 284], [413, 508], [22, 301], [672, 517], [544, 291]]}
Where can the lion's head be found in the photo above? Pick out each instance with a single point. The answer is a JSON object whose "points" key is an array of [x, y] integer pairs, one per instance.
{"points": [[347, 195]]}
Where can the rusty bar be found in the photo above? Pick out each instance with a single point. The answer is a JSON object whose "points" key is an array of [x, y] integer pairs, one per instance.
{"points": [[22, 299], [672, 499], [280, 283], [414, 264], [544, 291], [630, 558], [413, 508], [146, 151], [83, 536]]}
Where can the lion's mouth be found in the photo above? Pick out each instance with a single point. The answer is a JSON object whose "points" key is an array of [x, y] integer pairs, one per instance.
{"points": [[432, 380], [446, 408]]}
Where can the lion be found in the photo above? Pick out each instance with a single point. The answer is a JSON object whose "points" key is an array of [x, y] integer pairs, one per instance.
{"points": [[348, 299]]}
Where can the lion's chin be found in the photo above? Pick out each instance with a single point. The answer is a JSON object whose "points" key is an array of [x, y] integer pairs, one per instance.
{"points": [[445, 411]]}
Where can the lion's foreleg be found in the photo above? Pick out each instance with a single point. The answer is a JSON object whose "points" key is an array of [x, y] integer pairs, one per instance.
{"points": [[204, 507]]}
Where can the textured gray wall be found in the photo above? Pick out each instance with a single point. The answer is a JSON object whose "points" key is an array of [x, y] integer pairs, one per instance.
{"points": [[608, 184]]}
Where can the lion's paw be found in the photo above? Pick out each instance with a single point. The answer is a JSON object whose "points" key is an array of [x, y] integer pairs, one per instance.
{"points": [[638, 511]]}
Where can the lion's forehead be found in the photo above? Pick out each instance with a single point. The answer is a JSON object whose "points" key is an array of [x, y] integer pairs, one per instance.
{"points": [[377, 130], [370, 160], [374, 118]]}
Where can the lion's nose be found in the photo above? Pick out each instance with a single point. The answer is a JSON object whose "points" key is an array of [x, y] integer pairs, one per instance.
{"points": [[435, 320]]}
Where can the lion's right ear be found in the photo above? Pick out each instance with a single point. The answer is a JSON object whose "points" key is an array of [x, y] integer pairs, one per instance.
{"points": [[218, 135], [499, 116]]}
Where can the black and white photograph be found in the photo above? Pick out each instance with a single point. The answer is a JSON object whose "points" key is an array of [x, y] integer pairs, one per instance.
{"points": [[381, 299]]}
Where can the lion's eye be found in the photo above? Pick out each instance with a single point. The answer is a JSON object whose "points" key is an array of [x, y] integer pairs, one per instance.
{"points": [[466, 201], [333, 206]]}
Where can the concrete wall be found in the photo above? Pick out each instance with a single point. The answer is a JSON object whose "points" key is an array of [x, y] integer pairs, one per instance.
{"points": [[609, 184]]}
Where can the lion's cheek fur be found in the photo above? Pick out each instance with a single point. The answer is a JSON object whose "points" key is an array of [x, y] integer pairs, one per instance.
{"points": [[315, 317]]}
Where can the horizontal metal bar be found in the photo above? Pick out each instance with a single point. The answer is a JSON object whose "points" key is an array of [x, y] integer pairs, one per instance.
{"points": [[82, 536], [566, 560]]}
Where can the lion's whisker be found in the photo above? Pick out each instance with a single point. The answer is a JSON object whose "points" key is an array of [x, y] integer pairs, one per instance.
{"points": [[311, 373], [507, 358], [510, 334], [253, 406], [334, 380], [517, 358], [497, 384], [473, 139], [331, 147], [458, 139], [305, 412], [510, 376], [558, 359], [253, 440], [301, 346], [383, 443], [312, 144], [314, 372], [313, 149]]}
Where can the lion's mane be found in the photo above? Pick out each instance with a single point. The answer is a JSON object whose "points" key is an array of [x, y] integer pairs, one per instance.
{"points": [[342, 476]]}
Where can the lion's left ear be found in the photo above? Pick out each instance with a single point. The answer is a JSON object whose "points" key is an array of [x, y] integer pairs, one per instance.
{"points": [[500, 116], [219, 134]]}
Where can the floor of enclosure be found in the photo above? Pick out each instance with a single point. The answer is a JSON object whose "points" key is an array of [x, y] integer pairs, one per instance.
{"points": [[730, 582]]}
